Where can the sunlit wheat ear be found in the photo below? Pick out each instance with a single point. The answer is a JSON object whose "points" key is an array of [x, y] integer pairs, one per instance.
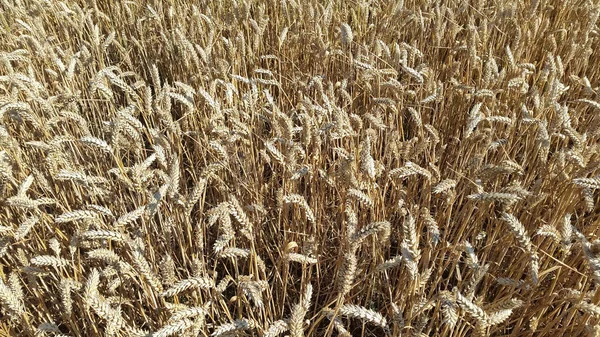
{"points": [[299, 311], [518, 230], [174, 328], [346, 34], [234, 253], [254, 290], [145, 270], [191, 312], [237, 325], [391, 263], [347, 273], [75, 215], [11, 301], [361, 197], [240, 215], [25, 228], [472, 259], [99, 305], [101, 210], [409, 232], [167, 270], [504, 198], [191, 283], [449, 309], [104, 235], [590, 183], [469, 307], [130, 217], [362, 313], [432, 226], [299, 200], [382, 229], [476, 277], [105, 255], [337, 323], [367, 163], [300, 258], [444, 186], [49, 261], [410, 258]]}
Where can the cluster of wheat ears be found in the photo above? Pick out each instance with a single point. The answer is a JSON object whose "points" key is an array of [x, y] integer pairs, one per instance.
{"points": [[299, 168]]}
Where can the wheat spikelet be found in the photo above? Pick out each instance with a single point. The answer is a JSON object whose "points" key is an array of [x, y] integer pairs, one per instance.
{"points": [[176, 327], [363, 198], [130, 217], [444, 186], [410, 259], [476, 278], [590, 102], [391, 263], [511, 304], [346, 34], [299, 310], [94, 300], [75, 216], [299, 200], [367, 163], [240, 215], [10, 300], [210, 100], [473, 310], [49, 261], [534, 266], [373, 228], [186, 101], [24, 186], [233, 252], [167, 270], [25, 227], [276, 328], [101, 210], [418, 169], [472, 259], [144, 268], [590, 183], [337, 323], [413, 73], [347, 273], [104, 235], [96, 142], [104, 255], [498, 317], [300, 258], [432, 226], [237, 325], [195, 194], [588, 308], [410, 233], [448, 310], [191, 283], [518, 230], [356, 311]]}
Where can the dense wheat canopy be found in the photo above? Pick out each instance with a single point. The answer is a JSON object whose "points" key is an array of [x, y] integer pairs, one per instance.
{"points": [[299, 168]]}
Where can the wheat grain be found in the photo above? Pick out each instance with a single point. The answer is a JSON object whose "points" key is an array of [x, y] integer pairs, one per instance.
{"points": [[191, 283], [356, 311]]}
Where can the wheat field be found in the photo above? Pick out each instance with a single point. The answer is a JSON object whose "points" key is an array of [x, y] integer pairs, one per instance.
{"points": [[299, 168]]}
